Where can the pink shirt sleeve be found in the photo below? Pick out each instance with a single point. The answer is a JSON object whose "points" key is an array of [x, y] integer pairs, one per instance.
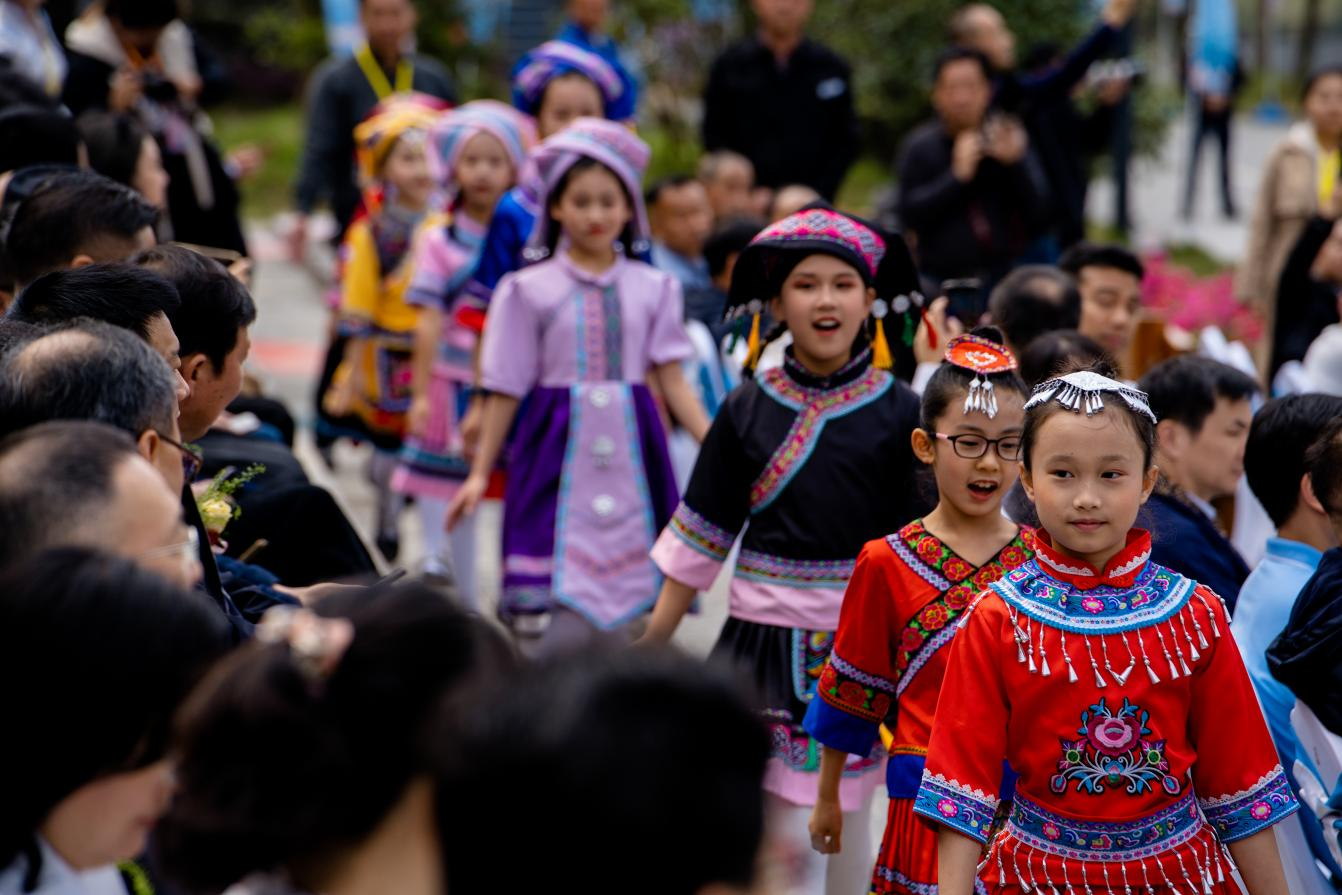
{"points": [[510, 360], [667, 340]]}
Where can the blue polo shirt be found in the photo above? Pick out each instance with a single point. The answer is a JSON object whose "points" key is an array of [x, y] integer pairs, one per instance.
{"points": [[1264, 607]]}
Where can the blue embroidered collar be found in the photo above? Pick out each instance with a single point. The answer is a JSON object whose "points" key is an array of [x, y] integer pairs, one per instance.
{"points": [[1130, 592]]}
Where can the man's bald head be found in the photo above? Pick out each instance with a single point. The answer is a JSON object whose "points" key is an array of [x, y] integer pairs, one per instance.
{"points": [[981, 27]]}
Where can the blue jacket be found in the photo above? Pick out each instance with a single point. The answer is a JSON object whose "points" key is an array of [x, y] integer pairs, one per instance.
{"points": [[1186, 540]]}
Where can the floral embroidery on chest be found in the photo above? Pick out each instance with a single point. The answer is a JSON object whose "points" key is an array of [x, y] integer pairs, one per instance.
{"points": [[1114, 748], [957, 582], [600, 334], [815, 407]]}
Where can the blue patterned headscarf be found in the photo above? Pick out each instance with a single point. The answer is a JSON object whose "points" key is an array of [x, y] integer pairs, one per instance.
{"points": [[541, 65], [454, 130]]}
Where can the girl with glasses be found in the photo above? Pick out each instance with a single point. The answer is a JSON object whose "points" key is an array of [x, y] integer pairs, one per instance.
{"points": [[907, 594]]}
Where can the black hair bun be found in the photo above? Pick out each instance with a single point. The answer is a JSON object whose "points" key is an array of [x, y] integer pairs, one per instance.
{"points": [[1104, 366], [991, 333]]}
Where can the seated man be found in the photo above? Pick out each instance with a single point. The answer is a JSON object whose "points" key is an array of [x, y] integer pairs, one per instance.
{"points": [[1274, 462], [74, 218], [680, 217], [1031, 301], [1307, 656], [94, 371], [969, 187], [308, 536], [729, 178], [84, 484], [116, 294], [1109, 279], [1204, 411]]}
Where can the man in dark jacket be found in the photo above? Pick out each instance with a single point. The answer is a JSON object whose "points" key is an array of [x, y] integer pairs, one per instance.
{"points": [[1042, 95], [969, 187], [783, 101], [1307, 293], [1205, 412], [344, 90]]}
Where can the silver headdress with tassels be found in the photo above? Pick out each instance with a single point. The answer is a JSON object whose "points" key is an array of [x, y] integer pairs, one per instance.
{"points": [[1083, 392]]}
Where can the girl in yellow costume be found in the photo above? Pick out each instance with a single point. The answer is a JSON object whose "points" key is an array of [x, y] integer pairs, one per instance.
{"points": [[372, 386]]}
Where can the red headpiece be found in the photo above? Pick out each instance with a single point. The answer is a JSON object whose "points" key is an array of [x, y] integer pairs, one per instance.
{"points": [[983, 357]]}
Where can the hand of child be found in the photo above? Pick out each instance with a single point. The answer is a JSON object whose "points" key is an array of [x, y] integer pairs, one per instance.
{"points": [[339, 398], [417, 417], [467, 499], [966, 155], [827, 826], [470, 427]]}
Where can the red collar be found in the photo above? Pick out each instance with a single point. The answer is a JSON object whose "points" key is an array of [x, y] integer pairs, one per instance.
{"points": [[1121, 571]]}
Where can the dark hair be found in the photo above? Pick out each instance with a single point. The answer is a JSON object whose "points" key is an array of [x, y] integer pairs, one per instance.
{"points": [[1085, 254], [590, 729], [729, 237], [1047, 355], [1034, 300], [120, 294], [570, 74], [1185, 388], [87, 371], [1279, 440], [951, 55], [950, 383], [15, 332], [1139, 423], [73, 213], [115, 142], [1318, 74], [95, 656], [556, 195], [17, 89], [142, 13], [55, 481], [653, 194], [1323, 462], [36, 135], [215, 304], [277, 768]]}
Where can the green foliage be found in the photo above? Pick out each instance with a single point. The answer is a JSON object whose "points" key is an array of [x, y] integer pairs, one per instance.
{"points": [[279, 131], [285, 38]]}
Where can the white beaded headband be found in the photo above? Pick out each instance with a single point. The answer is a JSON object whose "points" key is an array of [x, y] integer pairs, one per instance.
{"points": [[1083, 392]]}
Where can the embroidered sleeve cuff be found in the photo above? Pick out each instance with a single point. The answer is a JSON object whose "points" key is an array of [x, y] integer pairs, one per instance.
{"points": [[1245, 813], [838, 729], [850, 689], [962, 808], [691, 550]]}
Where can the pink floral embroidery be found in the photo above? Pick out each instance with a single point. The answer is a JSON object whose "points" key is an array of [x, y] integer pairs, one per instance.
{"points": [[1260, 810], [1051, 831], [948, 808], [1113, 735], [1092, 605]]}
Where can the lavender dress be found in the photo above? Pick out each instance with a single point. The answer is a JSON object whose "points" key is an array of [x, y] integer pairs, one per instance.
{"points": [[590, 483]]}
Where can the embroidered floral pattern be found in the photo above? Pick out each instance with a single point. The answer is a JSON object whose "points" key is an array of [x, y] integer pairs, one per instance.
{"points": [[965, 809], [1115, 748], [798, 751], [1245, 813], [1156, 595], [702, 535], [1036, 826], [815, 407], [828, 226], [770, 569], [850, 689], [935, 562]]}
